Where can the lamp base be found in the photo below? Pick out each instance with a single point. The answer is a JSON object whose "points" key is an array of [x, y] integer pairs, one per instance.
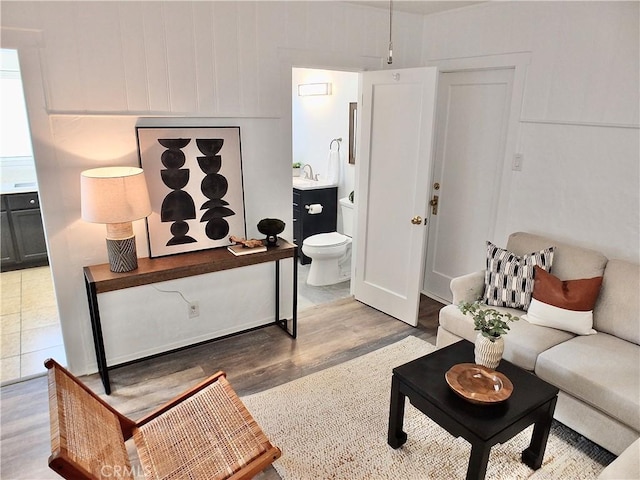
{"points": [[122, 254]]}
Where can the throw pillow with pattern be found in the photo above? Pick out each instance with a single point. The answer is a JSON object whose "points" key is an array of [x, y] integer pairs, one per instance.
{"points": [[508, 280]]}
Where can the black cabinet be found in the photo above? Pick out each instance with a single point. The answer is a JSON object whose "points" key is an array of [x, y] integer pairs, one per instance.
{"points": [[306, 224], [8, 254], [23, 242]]}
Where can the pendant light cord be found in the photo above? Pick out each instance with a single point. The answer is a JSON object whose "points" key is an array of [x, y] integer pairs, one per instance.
{"points": [[390, 58]]}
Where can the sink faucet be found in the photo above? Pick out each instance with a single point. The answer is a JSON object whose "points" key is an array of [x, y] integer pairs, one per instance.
{"points": [[308, 175]]}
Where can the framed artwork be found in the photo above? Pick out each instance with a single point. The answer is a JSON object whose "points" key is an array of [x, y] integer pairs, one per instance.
{"points": [[194, 177]]}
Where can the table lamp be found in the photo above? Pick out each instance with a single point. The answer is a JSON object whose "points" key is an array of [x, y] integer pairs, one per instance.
{"points": [[116, 196]]}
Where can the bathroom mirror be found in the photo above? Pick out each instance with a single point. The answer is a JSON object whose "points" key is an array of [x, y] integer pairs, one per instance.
{"points": [[353, 115]]}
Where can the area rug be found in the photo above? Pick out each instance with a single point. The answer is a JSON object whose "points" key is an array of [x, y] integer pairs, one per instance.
{"points": [[332, 424]]}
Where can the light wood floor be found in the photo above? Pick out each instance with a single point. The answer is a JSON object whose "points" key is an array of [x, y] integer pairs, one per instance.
{"points": [[254, 361]]}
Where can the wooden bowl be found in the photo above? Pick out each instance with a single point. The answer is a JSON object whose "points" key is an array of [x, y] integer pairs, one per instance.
{"points": [[478, 384]]}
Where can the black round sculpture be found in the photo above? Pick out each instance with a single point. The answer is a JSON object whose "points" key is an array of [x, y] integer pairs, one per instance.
{"points": [[271, 227]]}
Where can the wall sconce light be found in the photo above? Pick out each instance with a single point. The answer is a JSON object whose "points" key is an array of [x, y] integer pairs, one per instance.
{"points": [[116, 196], [307, 89]]}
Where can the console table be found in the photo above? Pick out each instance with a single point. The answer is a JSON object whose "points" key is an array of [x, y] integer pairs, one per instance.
{"points": [[100, 279]]}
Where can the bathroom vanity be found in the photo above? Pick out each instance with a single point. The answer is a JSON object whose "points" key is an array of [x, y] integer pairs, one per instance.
{"points": [[305, 224]]}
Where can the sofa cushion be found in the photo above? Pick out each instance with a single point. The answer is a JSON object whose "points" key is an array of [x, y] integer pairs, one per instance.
{"points": [[617, 311], [569, 261], [509, 277], [563, 304], [600, 370], [522, 344]]}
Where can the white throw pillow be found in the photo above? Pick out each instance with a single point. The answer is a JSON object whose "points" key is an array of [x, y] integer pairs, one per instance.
{"points": [[540, 313]]}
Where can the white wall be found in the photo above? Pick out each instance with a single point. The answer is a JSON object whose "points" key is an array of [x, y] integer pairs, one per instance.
{"points": [[578, 127], [317, 120], [92, 69]]}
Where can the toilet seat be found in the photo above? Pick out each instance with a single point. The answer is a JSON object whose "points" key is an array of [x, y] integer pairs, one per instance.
{"points": [[332, 239]]}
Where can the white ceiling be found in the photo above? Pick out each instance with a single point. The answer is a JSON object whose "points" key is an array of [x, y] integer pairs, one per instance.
{"points": [[423, 7]]}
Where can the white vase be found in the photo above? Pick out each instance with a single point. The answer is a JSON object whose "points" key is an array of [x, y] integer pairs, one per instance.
{"points": [[488, 353]]}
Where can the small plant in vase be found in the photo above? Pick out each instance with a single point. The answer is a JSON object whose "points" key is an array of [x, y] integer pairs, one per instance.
{"points": [[492, 325], [296, 169]]}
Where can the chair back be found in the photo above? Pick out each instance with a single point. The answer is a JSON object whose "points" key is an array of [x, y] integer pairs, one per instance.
{"points": [[87, 434]]}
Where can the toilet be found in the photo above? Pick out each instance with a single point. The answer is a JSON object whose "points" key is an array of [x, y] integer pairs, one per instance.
{"points": [[330, 253]]}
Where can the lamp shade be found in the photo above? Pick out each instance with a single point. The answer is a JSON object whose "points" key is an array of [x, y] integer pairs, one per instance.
{"points": [[114, 195]]}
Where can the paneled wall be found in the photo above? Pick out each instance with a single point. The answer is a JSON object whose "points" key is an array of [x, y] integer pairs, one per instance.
{"points": [[95, 68], [213, 58], [578, 127]]}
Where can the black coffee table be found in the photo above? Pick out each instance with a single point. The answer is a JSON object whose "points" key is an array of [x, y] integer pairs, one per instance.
{"points": [[533, 401]]}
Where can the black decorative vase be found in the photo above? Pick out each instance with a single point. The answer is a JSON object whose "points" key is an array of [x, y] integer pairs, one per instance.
{"points": [[271, 227]]}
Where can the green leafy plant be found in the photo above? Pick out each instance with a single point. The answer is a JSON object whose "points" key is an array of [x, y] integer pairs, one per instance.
{"points": [[297, 165], [491, 323]]}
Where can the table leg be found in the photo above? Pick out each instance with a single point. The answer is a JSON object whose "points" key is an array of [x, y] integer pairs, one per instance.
{"points": [[396, 437], [283, 323], [295, 293], [277, 291], [534, 454], [478, 461], [98, 341]]}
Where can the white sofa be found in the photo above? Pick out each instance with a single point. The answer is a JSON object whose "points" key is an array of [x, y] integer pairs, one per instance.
{"points": [[598, 375]]}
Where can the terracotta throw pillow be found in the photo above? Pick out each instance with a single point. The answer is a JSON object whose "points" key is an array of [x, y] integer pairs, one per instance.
{"points": [[565, 305], [508, 280]]}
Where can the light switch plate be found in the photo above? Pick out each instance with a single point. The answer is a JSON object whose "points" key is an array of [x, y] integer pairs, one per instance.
{"points": [[517, 162]]}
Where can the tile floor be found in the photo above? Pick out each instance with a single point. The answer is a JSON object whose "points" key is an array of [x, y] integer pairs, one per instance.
{"points": [[309, 296], [30, 329]]}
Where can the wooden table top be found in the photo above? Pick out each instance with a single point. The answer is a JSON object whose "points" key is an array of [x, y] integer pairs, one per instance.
{"points": [[160, 269]]}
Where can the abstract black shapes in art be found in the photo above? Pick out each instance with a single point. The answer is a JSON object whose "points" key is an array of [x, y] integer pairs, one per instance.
{"points": [[178, 205], [214, 186]]}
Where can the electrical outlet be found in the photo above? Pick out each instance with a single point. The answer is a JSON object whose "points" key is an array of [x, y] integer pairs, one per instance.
{"points": [[194, 309]]}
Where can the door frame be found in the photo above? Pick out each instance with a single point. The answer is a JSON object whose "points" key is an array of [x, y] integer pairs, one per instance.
{"points": [[28, 44], [289, 58], [518, 62]]}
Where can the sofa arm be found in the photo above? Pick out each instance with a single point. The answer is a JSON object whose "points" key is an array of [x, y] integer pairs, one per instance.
{"points": [[626, 466], [467, 288]]}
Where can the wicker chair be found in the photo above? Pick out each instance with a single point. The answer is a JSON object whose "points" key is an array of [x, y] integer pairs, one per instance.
{"points": [[205, 433]]}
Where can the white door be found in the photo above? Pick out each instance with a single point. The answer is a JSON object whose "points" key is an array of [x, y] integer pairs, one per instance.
{"points": [[472, 122], [394, 165]]}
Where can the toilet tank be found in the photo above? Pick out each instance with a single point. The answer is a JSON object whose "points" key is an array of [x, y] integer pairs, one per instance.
{"points": [[346, 207]]}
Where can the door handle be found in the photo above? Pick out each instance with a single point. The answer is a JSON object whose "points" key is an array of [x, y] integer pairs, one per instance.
{"points": [[417, 220], [434, 205]]}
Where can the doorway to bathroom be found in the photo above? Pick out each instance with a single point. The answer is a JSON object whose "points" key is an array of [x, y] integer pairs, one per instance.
{"points": [[323, 135]]}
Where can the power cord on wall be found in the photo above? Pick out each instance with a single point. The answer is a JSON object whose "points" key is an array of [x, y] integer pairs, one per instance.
{"points": [[194, 307]]}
